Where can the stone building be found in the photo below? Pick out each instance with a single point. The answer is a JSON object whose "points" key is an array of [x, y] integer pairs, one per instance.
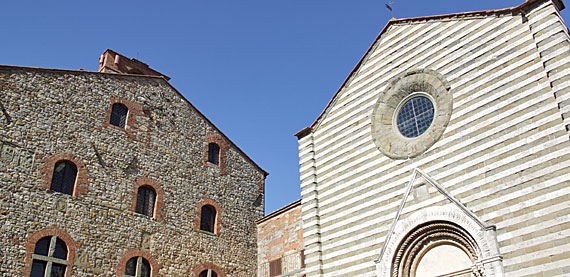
{"points": [[280, 243], [117, 174], [446, 151]]}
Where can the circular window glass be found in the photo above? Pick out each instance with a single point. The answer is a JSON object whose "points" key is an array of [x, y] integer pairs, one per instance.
{"points": [[415, 116]]}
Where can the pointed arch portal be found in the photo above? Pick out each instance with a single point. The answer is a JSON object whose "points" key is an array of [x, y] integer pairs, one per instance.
{"points": [[416, 245]]}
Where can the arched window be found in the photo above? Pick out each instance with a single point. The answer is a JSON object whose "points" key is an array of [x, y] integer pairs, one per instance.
{"points": [[118, 115], [208, 273], [207, 218], [137, 267], [146, 197], [63, 177], [213, 153], [49, 258]]}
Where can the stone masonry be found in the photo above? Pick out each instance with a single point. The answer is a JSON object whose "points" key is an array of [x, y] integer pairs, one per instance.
{"points": [[49, 115]]}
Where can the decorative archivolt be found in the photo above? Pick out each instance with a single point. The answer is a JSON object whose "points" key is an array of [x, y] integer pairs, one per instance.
{"points": [[413, 235], [427, 236]]}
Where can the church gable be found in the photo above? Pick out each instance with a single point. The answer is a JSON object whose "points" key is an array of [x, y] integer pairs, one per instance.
{"points": [[482, 81]]}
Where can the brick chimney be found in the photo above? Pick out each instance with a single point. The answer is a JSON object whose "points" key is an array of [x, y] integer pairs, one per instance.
{"points": [[113, 62]]}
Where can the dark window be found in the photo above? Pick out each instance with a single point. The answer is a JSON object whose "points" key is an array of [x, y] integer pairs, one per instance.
{"points": [[213, 153], [303, 258], [50, 256], [146, 197], [205, 273], [275, 267], [415, 116], [137, 267], [63, 177], [208, 218], [118, 115]]}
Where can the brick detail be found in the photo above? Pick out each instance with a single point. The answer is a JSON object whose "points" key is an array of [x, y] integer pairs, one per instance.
{"points": [[205, 266], [81, 181], [135, 110], [218, 223], [261, 185], [224, 146], [154, 265], [33, 238], [112, 61], [158, 203]]}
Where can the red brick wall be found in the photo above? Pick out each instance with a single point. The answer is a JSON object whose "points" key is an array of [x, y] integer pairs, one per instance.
{"points": [[280, 235]]}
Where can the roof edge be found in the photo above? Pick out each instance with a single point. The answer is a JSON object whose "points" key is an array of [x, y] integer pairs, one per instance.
{"points": [[279, 211], [265, 173], [305, 131]]}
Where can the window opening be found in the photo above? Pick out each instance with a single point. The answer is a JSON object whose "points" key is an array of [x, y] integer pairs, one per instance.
{"points": [[208, 273], [213, 153], [275, 267], [49, 258], [137, 267], [415, 116], [63, 177], [208, 218], [118, 115], [303, 258], [146, 197]]}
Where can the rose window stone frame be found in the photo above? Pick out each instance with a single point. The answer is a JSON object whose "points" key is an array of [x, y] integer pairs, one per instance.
{"points": [[385, 133]]}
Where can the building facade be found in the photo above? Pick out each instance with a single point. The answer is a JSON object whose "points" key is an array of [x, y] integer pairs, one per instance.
{"points": [[280, 243], [445, 152], [115, 174]]}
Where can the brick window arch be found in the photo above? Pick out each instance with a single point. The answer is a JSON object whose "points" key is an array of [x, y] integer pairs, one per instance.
{"points": [[49, 250], [222, 148], [122, 114], [204, 269], [209, 216], [137, 267], [151, 201], [208, 273], [65, 173], [137, 263]]}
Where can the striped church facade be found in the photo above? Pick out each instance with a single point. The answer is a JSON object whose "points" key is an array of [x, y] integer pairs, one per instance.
{"points": [[494, 166]]}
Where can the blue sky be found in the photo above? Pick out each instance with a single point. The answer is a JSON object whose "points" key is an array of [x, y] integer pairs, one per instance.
{"points": [[259, 70]]}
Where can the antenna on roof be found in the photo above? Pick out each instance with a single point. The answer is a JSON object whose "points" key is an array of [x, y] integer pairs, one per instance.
{"points": [[389, 6]]}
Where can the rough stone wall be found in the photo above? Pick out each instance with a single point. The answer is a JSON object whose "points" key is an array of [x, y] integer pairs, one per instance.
{"points": [[280, 236], [46, 113], [504, 153]]}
